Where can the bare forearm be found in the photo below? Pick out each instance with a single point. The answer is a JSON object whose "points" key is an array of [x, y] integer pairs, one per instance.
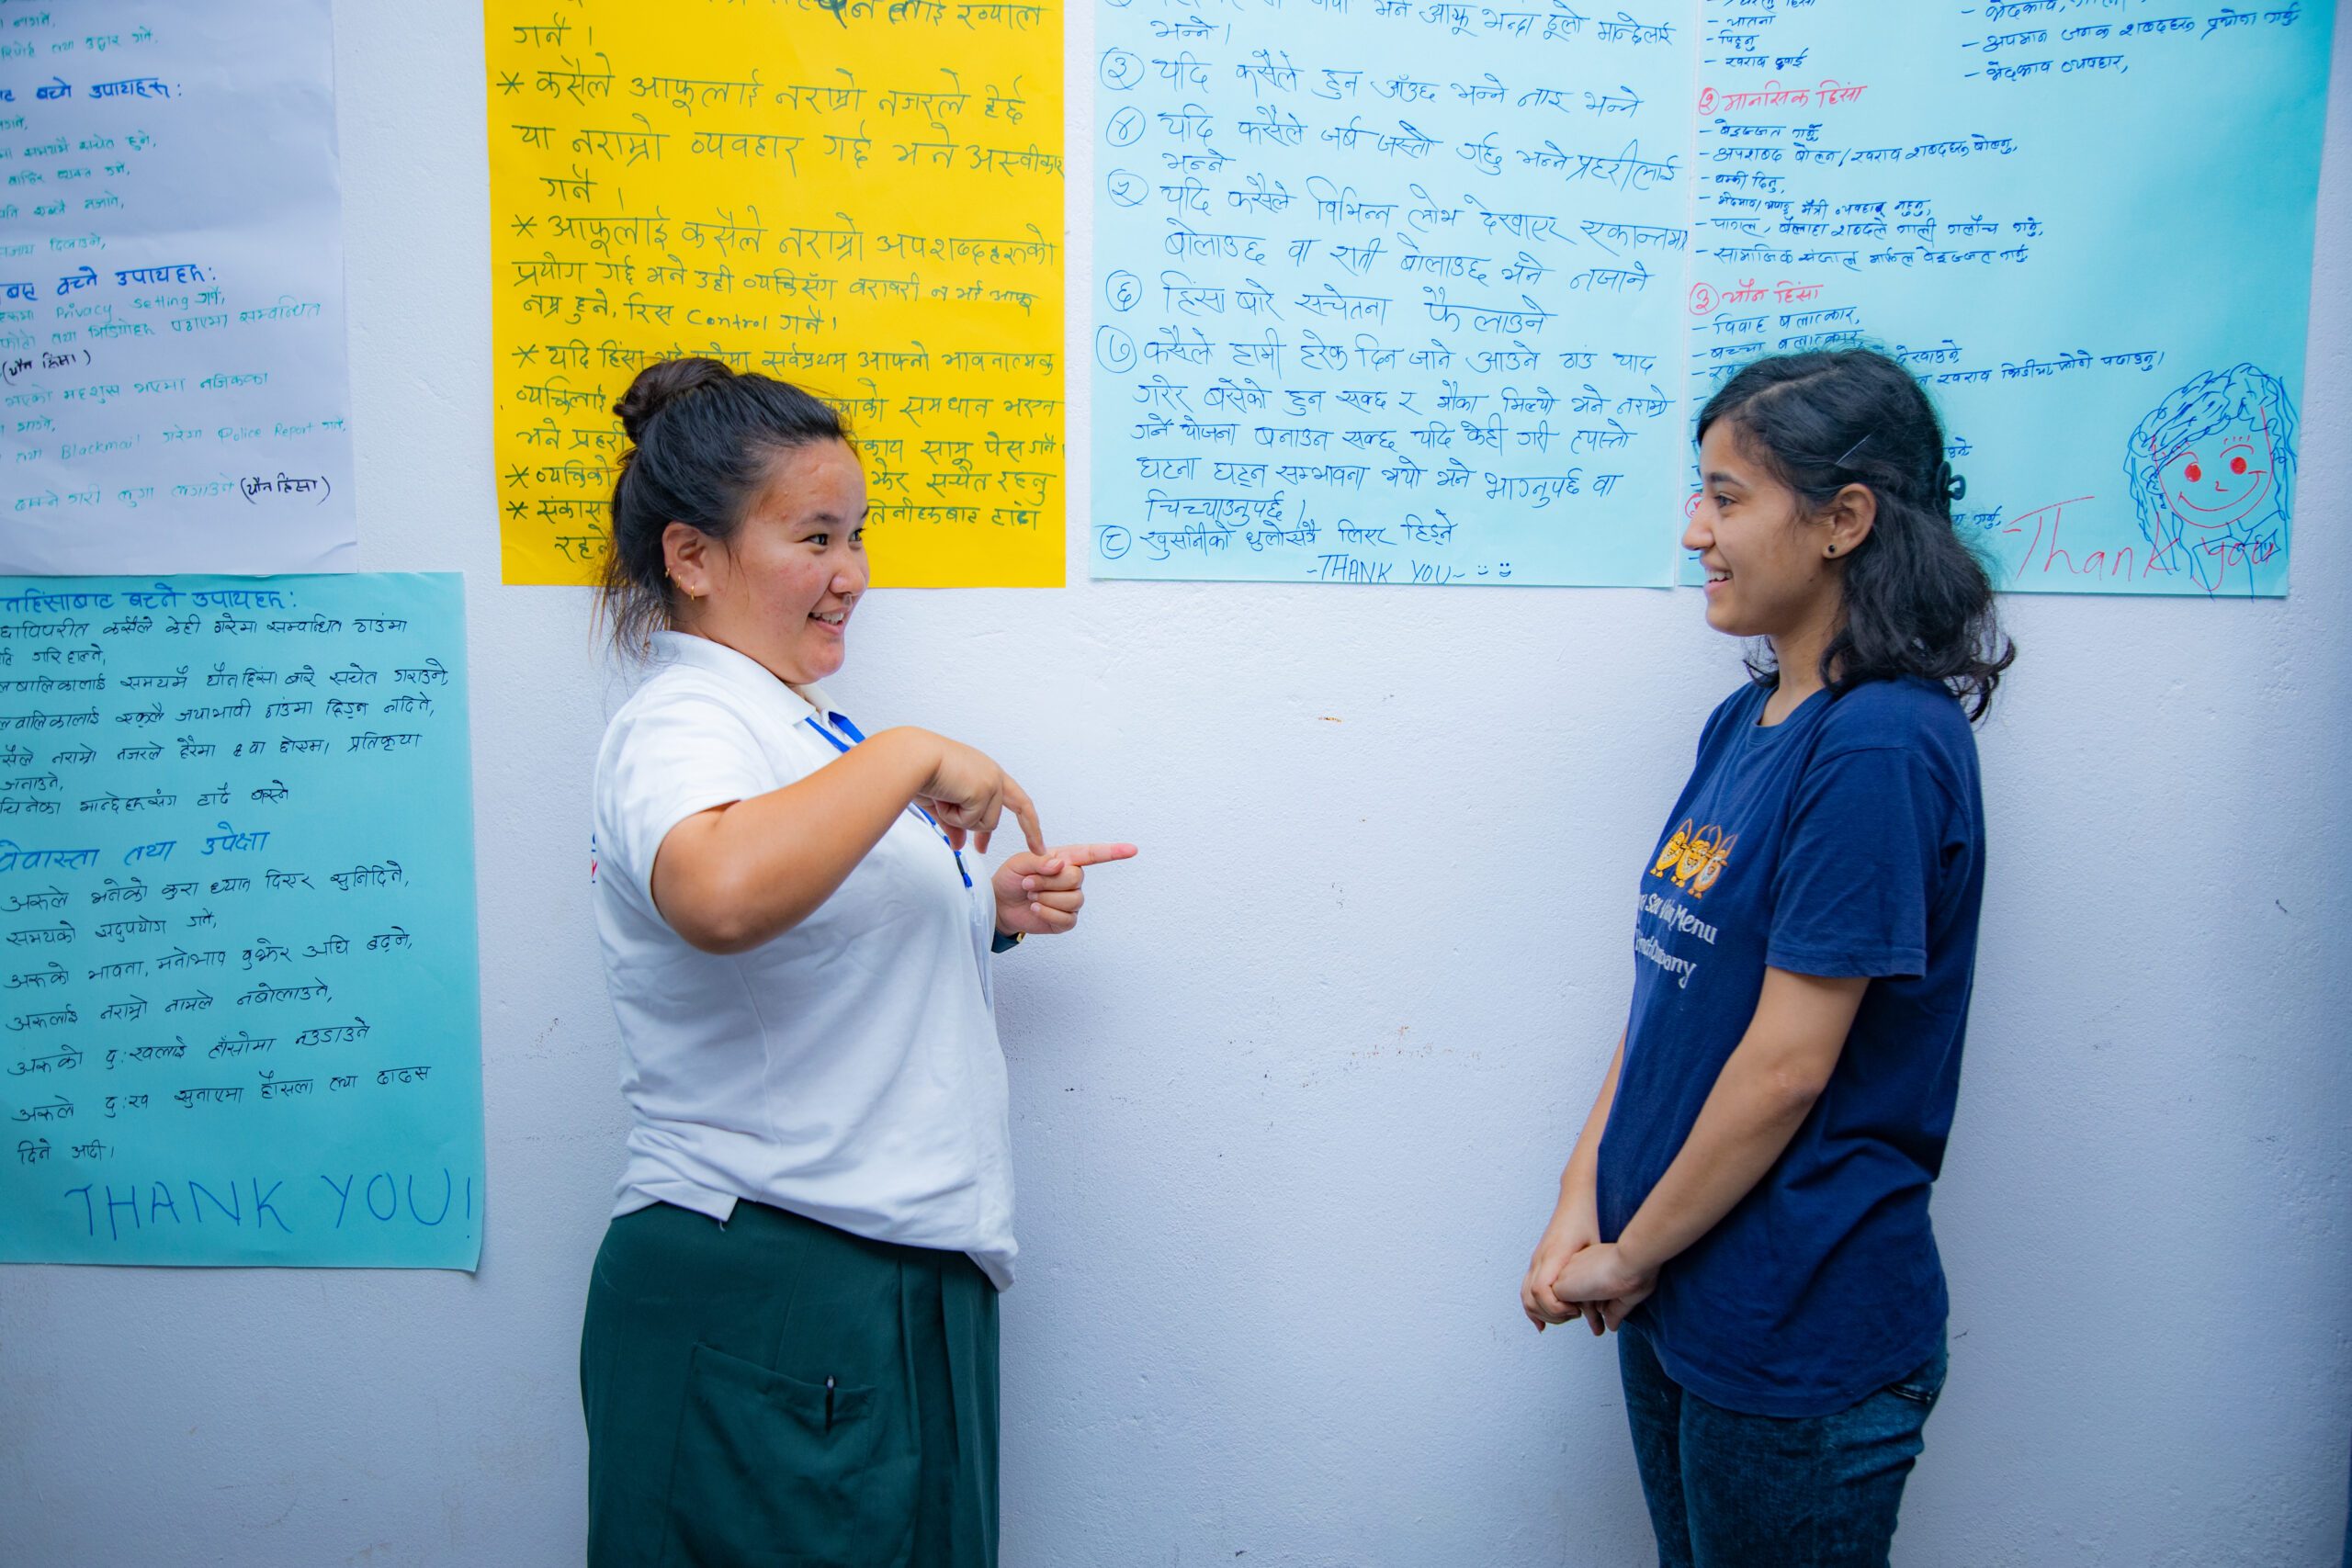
{"points": [[732, 878], [1740, 1131], [1759, 1100]]}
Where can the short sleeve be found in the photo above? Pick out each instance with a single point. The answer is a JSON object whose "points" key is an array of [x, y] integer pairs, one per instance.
{"points": [[668, 761], [1858, 867]]}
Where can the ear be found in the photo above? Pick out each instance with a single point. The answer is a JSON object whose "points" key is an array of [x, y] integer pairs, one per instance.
{"points": [[1849, 518], [689, 559]]}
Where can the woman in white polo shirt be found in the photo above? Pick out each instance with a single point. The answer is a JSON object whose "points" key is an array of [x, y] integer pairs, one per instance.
{"points": [[790, 1346]]}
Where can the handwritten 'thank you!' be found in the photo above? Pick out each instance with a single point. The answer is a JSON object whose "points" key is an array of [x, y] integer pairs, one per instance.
{"points": [[239, 1016]]}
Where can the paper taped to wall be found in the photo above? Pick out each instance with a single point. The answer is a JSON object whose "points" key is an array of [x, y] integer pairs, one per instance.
{"points": [[1387, 293], [2087, 230], [239, 1016], [1419, 292], [172, 365], [862, 198]]}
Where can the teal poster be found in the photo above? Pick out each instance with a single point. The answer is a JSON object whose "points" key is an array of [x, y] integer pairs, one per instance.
{"points": [[2086, 227], [1428, 293], [239, 1016]]}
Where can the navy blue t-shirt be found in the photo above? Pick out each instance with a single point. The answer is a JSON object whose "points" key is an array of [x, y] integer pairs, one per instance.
{"points": [[1847, 839]]}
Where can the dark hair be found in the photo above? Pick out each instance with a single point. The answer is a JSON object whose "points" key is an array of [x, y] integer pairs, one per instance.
{"points": [[1917, 601], [701, 438]]}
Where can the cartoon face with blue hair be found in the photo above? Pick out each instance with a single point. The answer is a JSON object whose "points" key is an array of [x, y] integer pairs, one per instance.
{"points": [[2212, 468]]}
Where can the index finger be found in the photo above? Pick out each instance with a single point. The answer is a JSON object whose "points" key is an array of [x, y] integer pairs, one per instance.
{"points": [[1018, 798], [1095, 854]]}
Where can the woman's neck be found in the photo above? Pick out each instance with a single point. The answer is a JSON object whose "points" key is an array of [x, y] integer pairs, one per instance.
{"points": [[700, 626], [1797, 655]]}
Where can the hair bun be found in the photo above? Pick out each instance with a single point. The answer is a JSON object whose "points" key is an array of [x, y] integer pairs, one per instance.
{"points": [[659, 385]]}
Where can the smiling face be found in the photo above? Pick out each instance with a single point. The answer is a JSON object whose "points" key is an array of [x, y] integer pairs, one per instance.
{"points": [[782, 589], [1766, 574], [2222, 479]]}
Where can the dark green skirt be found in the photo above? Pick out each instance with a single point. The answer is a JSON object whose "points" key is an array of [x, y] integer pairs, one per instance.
{"points": [[776, 1392]]}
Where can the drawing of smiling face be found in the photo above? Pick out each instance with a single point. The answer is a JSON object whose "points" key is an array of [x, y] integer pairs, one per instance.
{"points": [[2221, 479]]}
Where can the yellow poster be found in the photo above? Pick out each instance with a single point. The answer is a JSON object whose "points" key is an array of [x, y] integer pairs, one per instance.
{"points": [[862, 197]]}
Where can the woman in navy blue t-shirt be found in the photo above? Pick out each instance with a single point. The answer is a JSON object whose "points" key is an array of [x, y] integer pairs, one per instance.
{"points": [[1749, 1196]]}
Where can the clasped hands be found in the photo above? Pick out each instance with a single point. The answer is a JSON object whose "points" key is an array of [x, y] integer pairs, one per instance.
{"points": [[1576, 1274]]}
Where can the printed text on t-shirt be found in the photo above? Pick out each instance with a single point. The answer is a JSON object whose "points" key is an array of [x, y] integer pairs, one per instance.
{"points": [[1678, 919]]}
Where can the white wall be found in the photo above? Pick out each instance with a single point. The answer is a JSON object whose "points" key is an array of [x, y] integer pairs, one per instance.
{"points": [[1290, 1106]]}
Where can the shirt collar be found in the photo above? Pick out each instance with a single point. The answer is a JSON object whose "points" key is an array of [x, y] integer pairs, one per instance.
{"points": [[737, 669]]}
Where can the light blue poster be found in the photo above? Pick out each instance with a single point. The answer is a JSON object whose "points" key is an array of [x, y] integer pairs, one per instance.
{"points": [[1389, 290], [2086, 226], [239, 1016]]}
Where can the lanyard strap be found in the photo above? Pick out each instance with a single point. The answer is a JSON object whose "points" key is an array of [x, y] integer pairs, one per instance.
{"points": [[838, 744]]}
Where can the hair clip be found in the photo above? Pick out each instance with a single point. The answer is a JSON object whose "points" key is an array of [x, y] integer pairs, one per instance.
{"points": [[1951, 485], [1857, 447]]}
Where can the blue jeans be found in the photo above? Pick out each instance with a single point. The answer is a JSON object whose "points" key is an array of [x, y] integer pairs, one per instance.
{"points": [[1732, 1491]]}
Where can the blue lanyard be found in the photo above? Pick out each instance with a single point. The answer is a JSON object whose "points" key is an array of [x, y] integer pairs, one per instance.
{"points": [[838, 744]]}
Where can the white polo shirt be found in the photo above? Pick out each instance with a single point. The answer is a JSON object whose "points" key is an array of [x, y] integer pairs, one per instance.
{"points": [[848, 1069]]}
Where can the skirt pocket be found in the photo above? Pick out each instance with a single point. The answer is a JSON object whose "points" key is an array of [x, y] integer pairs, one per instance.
{"points": [[780, 1472]]}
